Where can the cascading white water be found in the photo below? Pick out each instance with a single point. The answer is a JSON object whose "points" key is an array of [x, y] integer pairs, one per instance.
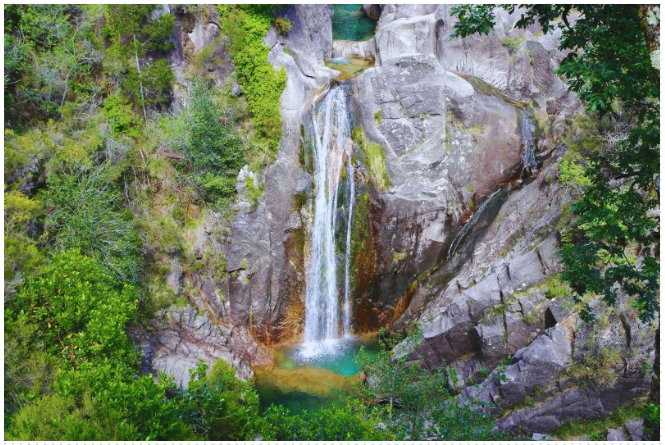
{"points": [[331, 141]]}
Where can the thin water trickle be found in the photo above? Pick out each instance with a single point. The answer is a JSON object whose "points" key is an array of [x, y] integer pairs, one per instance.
{"points": [[529, 156], [326, 317], [469, 225]]}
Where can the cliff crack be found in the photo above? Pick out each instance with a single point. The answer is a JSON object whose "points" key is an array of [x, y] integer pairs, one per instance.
{"points": [[542, 263], [626, 328]]}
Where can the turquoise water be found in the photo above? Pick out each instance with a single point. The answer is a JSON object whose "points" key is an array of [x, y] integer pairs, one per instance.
{"points": [[348, 23], [349, 66], [310, 376]]}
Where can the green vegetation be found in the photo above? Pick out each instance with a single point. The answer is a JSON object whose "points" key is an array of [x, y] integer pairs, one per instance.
{"points": [[133, 31], [255, 192], [398, 256], [378, 117], [413, 401], [351, 421], [597, 428], [613, 73], [214, 149], [375, 159], [51, 52], [102, 191], [514, 43], [484, 88], [282, 25], [246, 26], [88, 215]]}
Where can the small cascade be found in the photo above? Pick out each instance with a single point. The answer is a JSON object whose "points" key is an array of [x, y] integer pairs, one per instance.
{"points": [[467, 227], [326, 317], [529, 145]]}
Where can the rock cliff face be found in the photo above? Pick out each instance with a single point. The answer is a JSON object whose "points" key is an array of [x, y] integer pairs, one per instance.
{"points": [[463, 237]]}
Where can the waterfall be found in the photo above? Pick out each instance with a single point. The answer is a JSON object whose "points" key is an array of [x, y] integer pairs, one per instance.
{"points": [[330, 130], [529, 157]]}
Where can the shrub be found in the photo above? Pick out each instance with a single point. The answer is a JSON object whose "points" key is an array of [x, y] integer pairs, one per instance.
{"points": [[211, 146], [351, 421], [56, 417], [133, 31], [214, 149], [84, 213], [413, 401], [282, 25], [78, 311], [22, 254], [514, 43], [219, 405]]}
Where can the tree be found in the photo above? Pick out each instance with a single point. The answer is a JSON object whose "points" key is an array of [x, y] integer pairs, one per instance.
{"points": [[138, 35], [214, 149], [50, 53], [79, 311], [613, 244]]}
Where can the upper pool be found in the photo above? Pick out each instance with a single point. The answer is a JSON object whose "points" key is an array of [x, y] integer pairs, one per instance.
{"points": [[349, 23]]}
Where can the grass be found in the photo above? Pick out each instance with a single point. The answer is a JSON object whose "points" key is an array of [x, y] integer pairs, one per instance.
{"points": [[513, 43], [597, 367], [378, 117]]}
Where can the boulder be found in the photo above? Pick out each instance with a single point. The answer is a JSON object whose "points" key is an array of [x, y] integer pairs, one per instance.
{"points": [[616, 435]]}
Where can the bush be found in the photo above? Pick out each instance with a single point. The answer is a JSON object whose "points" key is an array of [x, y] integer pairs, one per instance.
{"points": [[136, 36], [22, 254], [282, 25], [211, 146], [219, 405], [413, 401], [84, 213], [351, 421], [78, 311], [58, 417]]}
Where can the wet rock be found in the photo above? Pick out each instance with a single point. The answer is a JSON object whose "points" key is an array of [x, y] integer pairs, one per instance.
{"points": [[373, 12]]}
